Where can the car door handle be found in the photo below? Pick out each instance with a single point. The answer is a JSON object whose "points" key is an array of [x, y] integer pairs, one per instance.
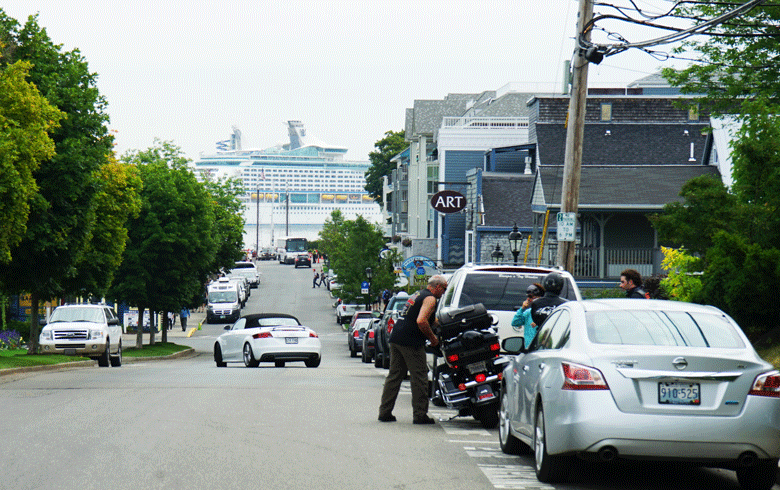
{"points": [[542, 366]]}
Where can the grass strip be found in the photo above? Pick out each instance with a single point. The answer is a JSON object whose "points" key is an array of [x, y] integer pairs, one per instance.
{"points": [[157, 350], [16, 358]]}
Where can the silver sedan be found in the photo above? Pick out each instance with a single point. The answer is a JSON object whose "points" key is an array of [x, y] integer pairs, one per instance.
{"points": [[641, 379]]}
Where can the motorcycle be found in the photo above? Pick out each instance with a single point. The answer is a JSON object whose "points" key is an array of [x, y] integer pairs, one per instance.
{"points": [[469, 379]]}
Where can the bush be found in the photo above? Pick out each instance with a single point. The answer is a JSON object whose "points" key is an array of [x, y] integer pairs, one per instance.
{"points": [[10, 339]]}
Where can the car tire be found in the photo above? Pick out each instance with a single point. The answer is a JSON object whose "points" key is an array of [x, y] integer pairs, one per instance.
{"points": [[218, 356], [312, 363], [378, 360], [104, 359], [352, 351], [279, 363], [249, 358], [760, 476], [385, 361], [509, 443], [116, 360], [549, 469]]}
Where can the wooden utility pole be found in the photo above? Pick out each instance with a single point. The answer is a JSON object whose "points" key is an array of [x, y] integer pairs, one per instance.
{"points": [[575, 130]]}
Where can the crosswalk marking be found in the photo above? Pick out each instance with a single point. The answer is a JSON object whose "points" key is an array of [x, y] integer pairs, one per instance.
{"points": [[513, 477]]}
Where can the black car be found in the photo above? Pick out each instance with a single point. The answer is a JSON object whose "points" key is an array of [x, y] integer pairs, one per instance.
{"points": [[384, 327], [355, 335], [369, 342], [302, 260]]}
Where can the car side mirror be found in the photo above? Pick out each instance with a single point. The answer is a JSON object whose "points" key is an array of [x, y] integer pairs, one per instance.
{"points": [[513, 345], [227, 327]]}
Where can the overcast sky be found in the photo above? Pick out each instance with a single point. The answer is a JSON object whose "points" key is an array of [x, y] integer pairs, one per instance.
{"points": [[188, 71]]}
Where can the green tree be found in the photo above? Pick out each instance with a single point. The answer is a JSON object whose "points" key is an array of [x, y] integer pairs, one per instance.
{"points": [[229, 222], [381, 165], [62, 211], [25, 119], [172, 243]]}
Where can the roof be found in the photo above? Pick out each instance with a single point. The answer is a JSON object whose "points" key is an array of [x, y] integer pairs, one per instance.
{"points": [[626, 144], [498, 189], [639, 187]]}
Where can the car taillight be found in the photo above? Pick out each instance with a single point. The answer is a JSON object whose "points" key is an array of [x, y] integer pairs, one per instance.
{"points": [[370, 334], [480, 378], [767, 384], [314, 335], [495, 346], [262, 335], [578, 377], [356, 334], [453, 358], [390, 323]]}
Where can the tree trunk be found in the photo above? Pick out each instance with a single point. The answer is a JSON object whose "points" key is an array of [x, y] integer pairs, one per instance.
{"points": [[165, 325], [152, 325], [139, 333], [32, 344]]}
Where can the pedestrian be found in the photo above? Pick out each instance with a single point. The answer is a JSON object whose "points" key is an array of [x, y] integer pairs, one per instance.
{"points": [[385, 297], [184, 314], [407, 352], [522, 319], [542, 307], [631, 283], [316, 279]]}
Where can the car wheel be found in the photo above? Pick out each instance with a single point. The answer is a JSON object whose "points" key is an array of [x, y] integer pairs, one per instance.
{"points": [[352, 351], [760, 476], [312, 363], [249, 358], [549, 469], [103, 360], [509, 443], [386, 361], [116, 360], [218, 356], [378, 360], [279, 363]]}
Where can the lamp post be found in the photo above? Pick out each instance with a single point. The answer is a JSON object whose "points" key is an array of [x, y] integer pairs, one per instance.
{"points": [[515, 238], [369, 274], [257, 224], [497, 254]]}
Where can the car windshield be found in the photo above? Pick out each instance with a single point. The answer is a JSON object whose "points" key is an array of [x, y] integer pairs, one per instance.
{"points": [[244, 265], [222, 297], [502, 291], [665, 328], [77, 315], [275, 322]]}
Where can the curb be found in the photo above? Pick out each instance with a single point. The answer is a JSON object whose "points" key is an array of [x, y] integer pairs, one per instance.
{"points": [[80, 364]]}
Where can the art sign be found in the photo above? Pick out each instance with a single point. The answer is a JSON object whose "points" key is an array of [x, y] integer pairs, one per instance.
{"points": [[448, 202]]}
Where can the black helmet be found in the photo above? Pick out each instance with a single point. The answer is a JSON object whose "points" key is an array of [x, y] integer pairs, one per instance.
{"points": [[534, 290], [553, 283]]}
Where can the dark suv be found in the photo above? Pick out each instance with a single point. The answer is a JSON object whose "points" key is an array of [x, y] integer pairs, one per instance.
{"points": [[384, 327]]}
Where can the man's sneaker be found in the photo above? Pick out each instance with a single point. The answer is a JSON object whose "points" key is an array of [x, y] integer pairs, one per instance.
{"points": [[387, 418], [424, 420]]}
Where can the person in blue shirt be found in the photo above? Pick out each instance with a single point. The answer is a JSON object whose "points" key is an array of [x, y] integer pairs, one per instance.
{"points": [[522, 319]]}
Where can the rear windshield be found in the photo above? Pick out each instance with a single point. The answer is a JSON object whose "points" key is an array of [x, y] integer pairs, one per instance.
{"points": [[503, 291], [639, 327], [244, 265]]}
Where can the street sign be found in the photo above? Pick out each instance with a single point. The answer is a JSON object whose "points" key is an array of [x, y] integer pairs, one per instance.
{"points": [[567, 227], [448, 201], [364, 287]]}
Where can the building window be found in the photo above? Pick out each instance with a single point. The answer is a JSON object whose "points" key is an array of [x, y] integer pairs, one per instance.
{"points": [[606, 111], [433, 178]]}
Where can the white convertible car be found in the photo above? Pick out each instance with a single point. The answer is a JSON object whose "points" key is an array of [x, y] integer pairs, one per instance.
{"points": [[267, 337]]}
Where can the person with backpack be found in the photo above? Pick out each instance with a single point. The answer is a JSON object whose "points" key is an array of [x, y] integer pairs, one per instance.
{"points": [[542, 307], [631, 283]]}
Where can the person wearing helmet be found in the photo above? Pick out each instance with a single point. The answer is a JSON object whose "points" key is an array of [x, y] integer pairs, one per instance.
{"points": [[522, 319], [542, 307]]}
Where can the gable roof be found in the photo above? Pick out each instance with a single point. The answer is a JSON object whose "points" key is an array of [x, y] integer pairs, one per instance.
{"points": [[619, 188]]}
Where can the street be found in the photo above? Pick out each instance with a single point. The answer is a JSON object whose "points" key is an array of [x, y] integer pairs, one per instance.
{"points": [[184, 423]]}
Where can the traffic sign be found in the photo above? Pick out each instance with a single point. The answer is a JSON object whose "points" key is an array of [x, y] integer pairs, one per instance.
{"points": [[567, 227]]}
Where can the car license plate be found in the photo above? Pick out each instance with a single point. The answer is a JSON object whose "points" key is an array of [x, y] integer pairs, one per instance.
{"points": [[70, 352], [291, 340], [679, 393], [477, 367]]}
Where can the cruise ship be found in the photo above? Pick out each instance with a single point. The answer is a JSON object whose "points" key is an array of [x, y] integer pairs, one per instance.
{"points": [[290, 190]]}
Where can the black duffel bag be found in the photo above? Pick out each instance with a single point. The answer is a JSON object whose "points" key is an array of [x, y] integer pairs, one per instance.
{"points": [[453, 321]]}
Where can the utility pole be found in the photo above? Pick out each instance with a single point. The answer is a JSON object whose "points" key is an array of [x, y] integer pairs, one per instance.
{"points": [[575, 130]]}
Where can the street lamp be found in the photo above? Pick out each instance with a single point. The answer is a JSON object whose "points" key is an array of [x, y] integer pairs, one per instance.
{"points": [[515, 238], [369, 274], [497, 254]]}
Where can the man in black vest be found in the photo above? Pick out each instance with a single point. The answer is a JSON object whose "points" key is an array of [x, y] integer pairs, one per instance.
{"points": [[407, 352], [542, 307]]}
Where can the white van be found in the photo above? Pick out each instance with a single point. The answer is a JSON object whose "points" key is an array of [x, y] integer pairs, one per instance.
{"points": [[223, 301]]}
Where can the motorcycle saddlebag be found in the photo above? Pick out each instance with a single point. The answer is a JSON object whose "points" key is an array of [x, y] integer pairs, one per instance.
{"points": [[471, 346], [453, 321]]}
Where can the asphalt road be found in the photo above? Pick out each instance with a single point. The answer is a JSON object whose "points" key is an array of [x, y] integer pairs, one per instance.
{"points": [[184, 423]]}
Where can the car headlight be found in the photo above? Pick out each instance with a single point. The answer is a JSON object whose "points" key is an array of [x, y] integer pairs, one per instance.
{"points": [[96, 334], [46, 335]]}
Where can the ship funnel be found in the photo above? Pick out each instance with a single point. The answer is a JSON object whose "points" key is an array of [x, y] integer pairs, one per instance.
{"points": [[297, 134]]}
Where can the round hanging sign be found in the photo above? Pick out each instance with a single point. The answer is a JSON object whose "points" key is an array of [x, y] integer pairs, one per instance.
{"points": [[448, 201]]}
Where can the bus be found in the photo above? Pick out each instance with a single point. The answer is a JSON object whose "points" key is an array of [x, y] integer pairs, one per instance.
{"points": [[288, 247]]}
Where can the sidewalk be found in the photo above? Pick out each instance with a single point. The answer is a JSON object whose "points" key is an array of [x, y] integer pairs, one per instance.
{"points": [[128, 339]]}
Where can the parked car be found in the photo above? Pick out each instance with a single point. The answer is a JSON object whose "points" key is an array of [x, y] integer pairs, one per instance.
{"points": [[641, 379], [355, 335], [84, 330], [368, 352], [268, 337], [223, 301], [302, 260], [383, 329], [501, 288], [345, 312], [249, 271]]}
